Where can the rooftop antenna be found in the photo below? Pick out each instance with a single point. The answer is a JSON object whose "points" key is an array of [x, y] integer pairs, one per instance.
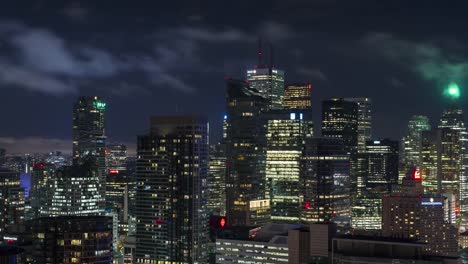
{"points": [[259, 52]]}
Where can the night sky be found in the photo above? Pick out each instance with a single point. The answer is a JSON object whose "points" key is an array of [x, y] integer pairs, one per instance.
{"points": [[165, 57]]}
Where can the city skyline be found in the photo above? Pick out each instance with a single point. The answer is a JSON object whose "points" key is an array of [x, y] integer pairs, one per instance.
{"points": [[167, 67], [222, 133]]}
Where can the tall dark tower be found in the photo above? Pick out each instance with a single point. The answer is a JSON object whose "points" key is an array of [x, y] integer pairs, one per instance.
{"points": [[340, 119], [89, 138], [245, 152], [324, 182], [171, 197]]}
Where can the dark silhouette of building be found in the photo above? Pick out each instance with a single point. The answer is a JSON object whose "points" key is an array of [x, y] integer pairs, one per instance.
{"points": [[325, 182], [245, 152], [72, 239]]}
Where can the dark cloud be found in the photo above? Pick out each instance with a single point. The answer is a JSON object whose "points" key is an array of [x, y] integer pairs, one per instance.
{"points": [[149, 58], [76, 11], [429, 61], [204, 34], [312, 73], [44, 60]]}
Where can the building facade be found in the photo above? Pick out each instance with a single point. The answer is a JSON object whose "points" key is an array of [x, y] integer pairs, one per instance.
{"points": [[171, 198], [40, 196], [75, 191], [297, 96], [411, 144], [245, 151], [325, 182], [287, 131], [217, 180], [340, 120], [269, 82], [364, 127], [411, 214], [89, 137], [72, 239], [11, 201]]}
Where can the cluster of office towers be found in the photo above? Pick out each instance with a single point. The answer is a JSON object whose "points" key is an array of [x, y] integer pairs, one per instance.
{"points": [[270, 166]]}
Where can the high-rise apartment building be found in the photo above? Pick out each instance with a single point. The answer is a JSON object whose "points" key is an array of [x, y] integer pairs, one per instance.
{"points": [[325, 182], [287, 131], [297, 96], [172, 168], [89, 137], [245, 153]]}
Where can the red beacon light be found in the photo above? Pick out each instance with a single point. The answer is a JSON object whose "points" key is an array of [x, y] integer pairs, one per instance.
{"points": [[222, 222], [417, 175]]}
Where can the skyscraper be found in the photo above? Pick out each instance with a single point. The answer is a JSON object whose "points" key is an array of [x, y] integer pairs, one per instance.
{"points": [[11, 201], [340, 120], [42, 182], [441, 163], [89, 138], [268, 81], [364, 128], [245, 152], [410, 153], [217, 180], [377, 170], [453, 119], [75, 191], [297, 96], [172, 168], [287, 131], [325, 182], [118, 182], [381, 165]]}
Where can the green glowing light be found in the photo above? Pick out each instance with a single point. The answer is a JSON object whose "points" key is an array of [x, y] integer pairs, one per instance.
{"points": [[452, 91], [100, 105]]}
